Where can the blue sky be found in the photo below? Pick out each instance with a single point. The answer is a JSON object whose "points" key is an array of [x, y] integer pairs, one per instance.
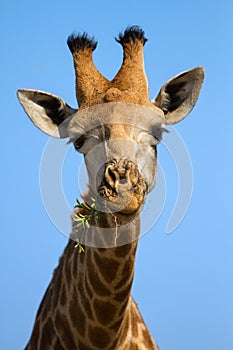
{"points": [[184, 281]]}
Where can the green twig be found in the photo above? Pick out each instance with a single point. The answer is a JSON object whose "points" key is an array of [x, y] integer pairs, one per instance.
{"points": [[78, 245]]}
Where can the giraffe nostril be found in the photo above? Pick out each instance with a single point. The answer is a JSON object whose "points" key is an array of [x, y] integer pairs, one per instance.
{"points": [[110, 176], [121, 172]]}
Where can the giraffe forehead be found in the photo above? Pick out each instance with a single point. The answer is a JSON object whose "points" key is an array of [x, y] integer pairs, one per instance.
{"points": [[118, 131], [119, 117]]}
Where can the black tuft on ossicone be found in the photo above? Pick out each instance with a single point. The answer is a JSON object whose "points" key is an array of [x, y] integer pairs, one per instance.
{"points": [[133, 33], [81, 42]]}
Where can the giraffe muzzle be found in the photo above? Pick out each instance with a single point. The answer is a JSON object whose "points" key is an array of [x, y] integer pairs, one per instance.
{"points": [[122, 187]]}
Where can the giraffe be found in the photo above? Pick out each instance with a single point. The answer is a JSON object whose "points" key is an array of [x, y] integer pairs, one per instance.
{"points": [[88, 303]]}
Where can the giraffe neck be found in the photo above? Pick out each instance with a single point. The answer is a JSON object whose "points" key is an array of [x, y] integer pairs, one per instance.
{"points": [[87, 304], [107, 276], [104, 274]]}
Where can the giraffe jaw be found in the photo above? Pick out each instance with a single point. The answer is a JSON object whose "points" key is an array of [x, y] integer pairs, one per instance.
{"points": [[126, 203]]}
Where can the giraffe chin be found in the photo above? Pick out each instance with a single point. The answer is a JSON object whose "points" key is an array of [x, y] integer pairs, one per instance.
{"points": [[123, 201]]}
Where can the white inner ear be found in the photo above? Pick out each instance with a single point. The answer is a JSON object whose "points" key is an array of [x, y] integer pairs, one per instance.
{"points": [[188, 94], [43, 122], [38, 115], [186, 90]]}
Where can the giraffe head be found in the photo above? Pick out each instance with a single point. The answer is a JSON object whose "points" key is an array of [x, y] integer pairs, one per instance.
{"points": [[116, 127]]}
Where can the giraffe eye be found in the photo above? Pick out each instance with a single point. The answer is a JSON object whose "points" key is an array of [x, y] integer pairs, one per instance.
{"points": [[158, 134], [79, 142]]}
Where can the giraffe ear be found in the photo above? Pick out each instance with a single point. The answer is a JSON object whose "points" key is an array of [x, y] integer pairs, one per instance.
{"points": [[179, 95], [48, 112]]}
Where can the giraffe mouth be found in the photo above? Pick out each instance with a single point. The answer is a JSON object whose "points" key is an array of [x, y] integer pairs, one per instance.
{"points": [[123, 188]]}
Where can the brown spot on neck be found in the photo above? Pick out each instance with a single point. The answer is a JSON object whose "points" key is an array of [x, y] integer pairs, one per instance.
{"points": [[108, 267], [99, 338]]}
